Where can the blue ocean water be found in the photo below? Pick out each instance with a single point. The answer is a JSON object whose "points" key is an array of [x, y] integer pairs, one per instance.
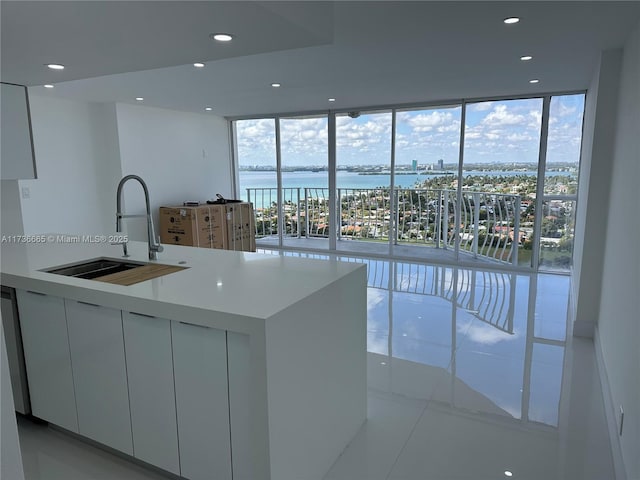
{"points": [[350, 179]]}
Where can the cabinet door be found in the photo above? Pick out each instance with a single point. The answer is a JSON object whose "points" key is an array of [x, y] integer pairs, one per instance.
{"points": [[46, 350], [15, 355], [99, 374], [147, 343], [239, 359], [202, 402]]}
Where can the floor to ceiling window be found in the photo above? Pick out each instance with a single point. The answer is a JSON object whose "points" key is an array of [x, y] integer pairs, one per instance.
{"points": [[256, 161], [404, 182], [363, 177], [427, 148], [561, 181], [305, 177], [500, 178]]}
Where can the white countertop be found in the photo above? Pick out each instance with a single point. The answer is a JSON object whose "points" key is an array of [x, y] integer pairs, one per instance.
{"points": [[228, 283]]}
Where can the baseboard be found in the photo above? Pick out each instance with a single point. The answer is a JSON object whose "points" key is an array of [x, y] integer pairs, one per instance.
{"points": [[610, 410]]}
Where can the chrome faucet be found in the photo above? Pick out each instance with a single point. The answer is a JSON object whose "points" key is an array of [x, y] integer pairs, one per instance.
{"points": [[154, 242]]}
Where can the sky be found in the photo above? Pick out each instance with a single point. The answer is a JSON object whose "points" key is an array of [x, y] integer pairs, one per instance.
{"points": [[506, 131]]}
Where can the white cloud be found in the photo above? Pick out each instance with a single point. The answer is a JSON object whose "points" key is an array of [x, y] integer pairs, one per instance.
{"points": [[304, 140], [518, 137], [472, 133], [256, 141], [481, 107], [425, 122], [360, 134], [453, 127], [484, 333], [563, 110], [535, 119], [501, 115]]}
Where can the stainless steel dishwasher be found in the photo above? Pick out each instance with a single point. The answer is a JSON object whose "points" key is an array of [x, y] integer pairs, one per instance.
{"points": [[13, 339]]}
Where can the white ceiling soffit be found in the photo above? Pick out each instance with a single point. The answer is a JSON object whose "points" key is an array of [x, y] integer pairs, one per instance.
{"points": [[360, 53], [94, 38]]}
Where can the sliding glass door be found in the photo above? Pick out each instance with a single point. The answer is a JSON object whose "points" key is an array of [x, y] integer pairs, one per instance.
{"points": [[257, 173], [363, 179], [406, 186], [500, 179], [304, 180], [427, 149], [561, 182]]}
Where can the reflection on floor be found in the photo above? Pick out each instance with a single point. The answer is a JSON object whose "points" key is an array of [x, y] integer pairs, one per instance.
{"points": [[471, 375]]}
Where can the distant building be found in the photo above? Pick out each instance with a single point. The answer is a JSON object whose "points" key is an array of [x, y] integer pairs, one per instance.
{"points": [[414, 165], [441, 164]]}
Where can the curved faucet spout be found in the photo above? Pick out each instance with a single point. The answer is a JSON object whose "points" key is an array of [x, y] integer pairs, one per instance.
{"points": [[154, 242]]}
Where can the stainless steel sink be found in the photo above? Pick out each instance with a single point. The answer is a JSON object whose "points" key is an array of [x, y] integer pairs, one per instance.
{"points": [[98, 267]]}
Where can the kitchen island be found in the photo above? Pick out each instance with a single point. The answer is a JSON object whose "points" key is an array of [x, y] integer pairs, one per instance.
{"points": [[240, 366]]}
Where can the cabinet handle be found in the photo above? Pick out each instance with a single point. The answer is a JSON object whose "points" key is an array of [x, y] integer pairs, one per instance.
{"points": [[37, 293], [193, 325], [87, 303], [142, 315]]}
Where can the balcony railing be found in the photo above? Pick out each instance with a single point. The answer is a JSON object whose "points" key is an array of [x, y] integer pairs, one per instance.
{"points": [[489, 223]]}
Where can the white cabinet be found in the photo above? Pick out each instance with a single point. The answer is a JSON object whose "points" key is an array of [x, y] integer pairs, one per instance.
{"points": [[16, 147], [239, 359], [99, 374], [46, 349], [15, 354], [150, 387], [202, 401], [151, 391]]}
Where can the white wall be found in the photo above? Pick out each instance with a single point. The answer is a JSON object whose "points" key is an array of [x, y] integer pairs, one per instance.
{"points": [[180, 156], [10, 214], [107, 164], [619, 312], [77, 162], [593, 196]]}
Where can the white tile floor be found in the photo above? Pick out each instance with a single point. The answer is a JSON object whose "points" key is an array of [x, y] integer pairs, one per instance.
{"points": [[470, 375]]}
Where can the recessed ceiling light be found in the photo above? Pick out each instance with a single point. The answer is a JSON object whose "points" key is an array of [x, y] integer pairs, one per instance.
{"points": [[524, 58], [219, 284], [534, 80], [139, 99], [276, 85], [198, 65], [208, 109], [221, 37], [48, 86], [511, 20], [332, 99], [55, 66], [507, 473]]}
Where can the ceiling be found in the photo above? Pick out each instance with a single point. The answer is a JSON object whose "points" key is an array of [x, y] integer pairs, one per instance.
{"points": [[360, 53]]}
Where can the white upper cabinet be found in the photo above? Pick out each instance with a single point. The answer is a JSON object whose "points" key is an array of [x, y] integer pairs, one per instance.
{"points": [[17, 159]]}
